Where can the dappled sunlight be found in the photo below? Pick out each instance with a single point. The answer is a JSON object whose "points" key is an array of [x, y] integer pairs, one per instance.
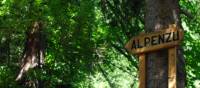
{"points": [[81, 44]]}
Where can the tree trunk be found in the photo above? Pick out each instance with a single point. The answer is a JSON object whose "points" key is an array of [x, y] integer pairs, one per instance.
{"points": [[160, 14], [33, 54]]}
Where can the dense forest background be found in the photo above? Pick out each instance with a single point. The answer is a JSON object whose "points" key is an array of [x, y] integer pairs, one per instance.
{"points": [[84, 42]]}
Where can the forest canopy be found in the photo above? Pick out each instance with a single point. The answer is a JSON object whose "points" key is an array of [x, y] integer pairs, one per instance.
{"points": [[80, 43]]}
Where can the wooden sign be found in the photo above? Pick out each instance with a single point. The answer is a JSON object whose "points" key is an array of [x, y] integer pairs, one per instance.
{"points": [[155, 41], [168, 38]]}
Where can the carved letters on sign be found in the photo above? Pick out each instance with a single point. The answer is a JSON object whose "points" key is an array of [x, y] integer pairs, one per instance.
{"points": [[155, 41]]}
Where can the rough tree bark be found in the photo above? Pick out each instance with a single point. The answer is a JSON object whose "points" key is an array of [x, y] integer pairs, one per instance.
{"points": [[33, 54], [159, 15]]}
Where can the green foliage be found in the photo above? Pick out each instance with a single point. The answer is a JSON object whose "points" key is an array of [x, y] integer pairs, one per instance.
{"points": [[192, 42], [85, 41]]}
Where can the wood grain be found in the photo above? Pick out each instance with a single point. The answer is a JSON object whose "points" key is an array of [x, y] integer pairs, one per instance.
{"points": [[142, 71], [172, 67]]}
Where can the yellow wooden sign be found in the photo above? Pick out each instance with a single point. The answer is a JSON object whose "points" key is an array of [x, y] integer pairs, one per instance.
{"points": [[169, 38], [154, 41]]}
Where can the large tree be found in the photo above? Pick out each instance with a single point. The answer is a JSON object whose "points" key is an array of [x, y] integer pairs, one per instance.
{"points": [[160, 14]]}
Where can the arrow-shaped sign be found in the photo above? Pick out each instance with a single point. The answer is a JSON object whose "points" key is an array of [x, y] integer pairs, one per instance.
{"points": [[154, 41]]}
